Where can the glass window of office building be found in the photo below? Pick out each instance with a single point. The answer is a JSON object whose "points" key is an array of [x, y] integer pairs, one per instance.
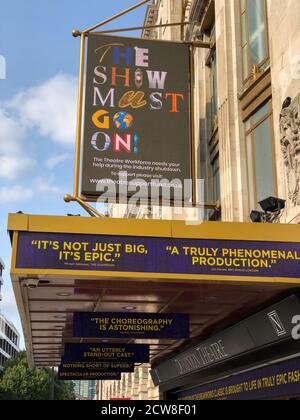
{"points": [[9, 341], [1, 281], [85, 390]]}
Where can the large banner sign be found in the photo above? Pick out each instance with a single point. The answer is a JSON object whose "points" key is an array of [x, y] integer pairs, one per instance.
{"points": [[267, 383], [130, 353], [158, 255], [137, 116], [88, 376], [96, 366], [124, 325]]}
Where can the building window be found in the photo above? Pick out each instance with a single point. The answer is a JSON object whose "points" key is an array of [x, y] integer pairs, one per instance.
{"points": [[211, 62], [214, 91], [255, 49], [215, 215], [216, 179], [212, 127], [260, 155]]}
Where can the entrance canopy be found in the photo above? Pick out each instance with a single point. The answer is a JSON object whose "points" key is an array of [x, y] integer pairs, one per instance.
{"points": [[217, 273]]}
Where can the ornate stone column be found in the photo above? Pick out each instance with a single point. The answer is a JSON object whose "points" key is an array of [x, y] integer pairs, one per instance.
{"points": [[143, 383], [128, 393], [153, 391], [135, 383]]}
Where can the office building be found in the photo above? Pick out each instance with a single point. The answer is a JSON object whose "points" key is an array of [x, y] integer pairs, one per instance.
{"points": [[9, 341]]}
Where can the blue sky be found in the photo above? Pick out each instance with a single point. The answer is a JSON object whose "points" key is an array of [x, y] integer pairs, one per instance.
{"points": [[38, 107]]}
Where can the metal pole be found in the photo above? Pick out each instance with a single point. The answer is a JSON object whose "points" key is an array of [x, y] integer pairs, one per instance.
{"points": [[104, 22], [192, 82], [136, 28], [52, 385], [89, 209], [79, 116]]}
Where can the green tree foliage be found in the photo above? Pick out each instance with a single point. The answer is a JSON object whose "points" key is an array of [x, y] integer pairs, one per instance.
{"points": [[64, 391], [20, 382]]}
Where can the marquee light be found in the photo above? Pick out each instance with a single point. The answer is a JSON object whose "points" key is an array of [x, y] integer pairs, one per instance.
{"points": [[272, 204], [257, 216], [272, 210]]}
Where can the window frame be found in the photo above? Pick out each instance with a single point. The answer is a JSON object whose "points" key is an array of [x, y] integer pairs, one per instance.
{"points": [[216, 172], [250, 132], [212, 63], [247, 44], [213, 90]]}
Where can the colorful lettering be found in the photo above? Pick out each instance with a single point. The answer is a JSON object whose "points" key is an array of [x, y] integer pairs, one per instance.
{"points": [[133, 99]]}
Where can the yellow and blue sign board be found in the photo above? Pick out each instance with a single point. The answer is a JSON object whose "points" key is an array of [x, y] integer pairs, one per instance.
{"points": [[158, 255], [130, 325], [157, 250]]}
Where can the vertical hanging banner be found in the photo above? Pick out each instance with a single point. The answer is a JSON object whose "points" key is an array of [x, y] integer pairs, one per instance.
{"points": [[137, 124]]}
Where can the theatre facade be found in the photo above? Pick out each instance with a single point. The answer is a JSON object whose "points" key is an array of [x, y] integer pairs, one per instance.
{"points": [[232, 285]]}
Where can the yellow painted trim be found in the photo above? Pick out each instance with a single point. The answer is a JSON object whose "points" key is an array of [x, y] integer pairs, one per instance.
{"points": [[238, 231], [22, 303], [14, 251], [156, 228], [145, 277], [151, 228], [96, 226], [17, 222]]}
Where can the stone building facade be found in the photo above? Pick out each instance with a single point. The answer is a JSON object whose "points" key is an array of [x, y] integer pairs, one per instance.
{"points": [[247, 102], [133, 386], [248, 74]]}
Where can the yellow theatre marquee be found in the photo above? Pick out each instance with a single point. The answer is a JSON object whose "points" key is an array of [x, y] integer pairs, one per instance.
{"points": [[138, 249]]}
